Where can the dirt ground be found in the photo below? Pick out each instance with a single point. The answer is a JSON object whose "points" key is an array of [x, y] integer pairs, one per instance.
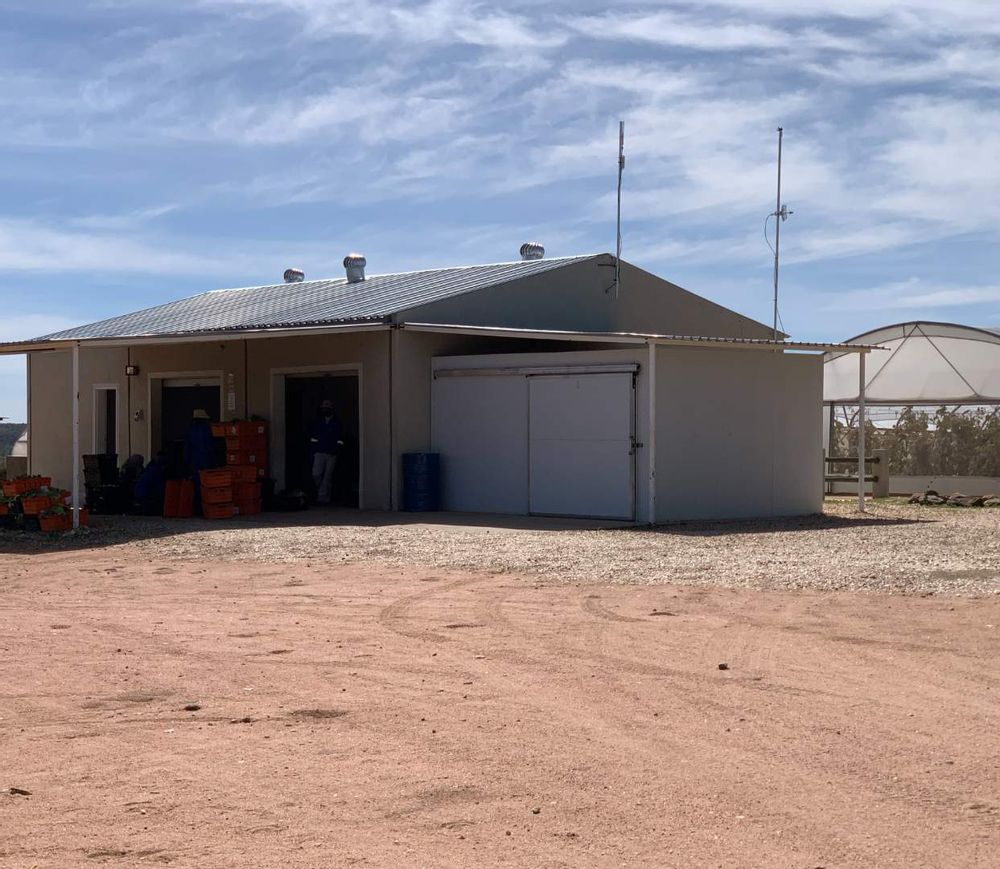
{"points": [[408, 716]]}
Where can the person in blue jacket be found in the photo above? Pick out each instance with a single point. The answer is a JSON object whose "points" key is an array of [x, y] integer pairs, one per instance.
{"points": [[199, 451], [326, 439], [149, 488]]}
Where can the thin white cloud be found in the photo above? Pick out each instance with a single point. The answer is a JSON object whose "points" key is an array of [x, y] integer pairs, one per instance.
{"points": [[35, 247], [914, 295], [672, 29]]}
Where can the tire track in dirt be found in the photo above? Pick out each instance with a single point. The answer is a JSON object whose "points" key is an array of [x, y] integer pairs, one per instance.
{"points": [[592, 604], [395, 616]]}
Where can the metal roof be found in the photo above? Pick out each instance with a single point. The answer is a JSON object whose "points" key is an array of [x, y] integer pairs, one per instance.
{"points": [[308, 303], [641, 338]]}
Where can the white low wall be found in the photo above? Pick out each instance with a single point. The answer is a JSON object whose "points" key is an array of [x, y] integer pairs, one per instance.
{"points": [[942, 485]]}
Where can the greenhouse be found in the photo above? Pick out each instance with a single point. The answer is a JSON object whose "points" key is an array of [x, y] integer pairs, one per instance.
{"points": [[928, 364], [931, 398]]}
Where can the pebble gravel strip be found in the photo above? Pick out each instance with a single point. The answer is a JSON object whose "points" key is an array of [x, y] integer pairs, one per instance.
{"points": [[895, 548]]}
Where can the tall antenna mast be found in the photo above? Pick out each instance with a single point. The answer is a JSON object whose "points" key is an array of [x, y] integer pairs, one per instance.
{"points": [[618, 238], [780, 215]]}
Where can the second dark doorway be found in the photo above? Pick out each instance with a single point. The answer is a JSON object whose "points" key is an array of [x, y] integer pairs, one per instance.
{"points": [[303, 396]]}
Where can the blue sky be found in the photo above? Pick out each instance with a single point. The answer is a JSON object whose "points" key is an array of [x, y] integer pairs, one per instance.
{"points": [[153, 150]]}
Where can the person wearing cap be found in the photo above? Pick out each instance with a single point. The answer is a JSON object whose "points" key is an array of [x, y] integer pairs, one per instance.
{"points": [[199, 448], [326, 439]]}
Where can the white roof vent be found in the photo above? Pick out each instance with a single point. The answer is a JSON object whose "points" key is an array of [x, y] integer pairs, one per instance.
{"points": [[532, 250], [355, 264], [294, 276]]}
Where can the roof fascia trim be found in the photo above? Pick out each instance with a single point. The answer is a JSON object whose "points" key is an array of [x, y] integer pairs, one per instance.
{"points": [[192, 337], [636, 338]]}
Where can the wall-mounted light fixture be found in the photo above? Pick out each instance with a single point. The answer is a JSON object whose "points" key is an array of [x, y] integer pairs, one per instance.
{"points": [[131, 370]]}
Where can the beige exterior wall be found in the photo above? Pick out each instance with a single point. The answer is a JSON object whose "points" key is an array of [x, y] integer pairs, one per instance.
{"points": [[50, 407], [576, 297], [738, 434], [253, 365]]}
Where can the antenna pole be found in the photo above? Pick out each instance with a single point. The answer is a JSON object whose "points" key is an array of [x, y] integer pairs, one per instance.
{"points": [[777, 236], [618, 236]]}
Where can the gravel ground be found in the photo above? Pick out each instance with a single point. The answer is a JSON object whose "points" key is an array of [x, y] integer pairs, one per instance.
{"points": [[893, 548]]}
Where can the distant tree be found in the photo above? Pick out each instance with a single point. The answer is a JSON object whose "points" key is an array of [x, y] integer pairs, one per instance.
{"points": [[948, 442]]}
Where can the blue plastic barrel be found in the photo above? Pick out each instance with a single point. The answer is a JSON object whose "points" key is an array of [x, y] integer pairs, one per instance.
{"points": [[421, 482]]}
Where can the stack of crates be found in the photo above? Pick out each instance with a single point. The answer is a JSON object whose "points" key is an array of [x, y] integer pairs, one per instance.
{"points": [[246, 458], [217, 494]]}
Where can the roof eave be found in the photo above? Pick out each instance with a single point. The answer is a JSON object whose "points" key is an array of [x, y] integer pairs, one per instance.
{"points": [[639, 338], [13, 348]]}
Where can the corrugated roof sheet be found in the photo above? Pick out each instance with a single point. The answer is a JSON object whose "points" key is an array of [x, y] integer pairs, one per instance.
{"points": [[309, 303]]}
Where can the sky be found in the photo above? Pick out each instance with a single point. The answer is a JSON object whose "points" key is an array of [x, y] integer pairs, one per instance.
{"points": [[153, 150]]}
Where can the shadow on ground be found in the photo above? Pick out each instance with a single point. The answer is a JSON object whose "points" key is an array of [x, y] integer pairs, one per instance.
{"points": [[108, 531]]}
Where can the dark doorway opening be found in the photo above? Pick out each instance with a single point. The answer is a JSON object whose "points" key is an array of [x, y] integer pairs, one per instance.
{"points": [[303, 396], [106, 422], [177, 405]]}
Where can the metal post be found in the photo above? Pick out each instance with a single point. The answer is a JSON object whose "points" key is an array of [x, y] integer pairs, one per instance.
{"points": [[861, 432], [777, 235], [618, 236], [76, 436], [651, 432], [396, 457]]}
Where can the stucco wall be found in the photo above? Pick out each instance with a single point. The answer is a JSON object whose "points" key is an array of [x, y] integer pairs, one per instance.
{"points": [[252, 365], [50, 412], [575, 297], [738, 434]]}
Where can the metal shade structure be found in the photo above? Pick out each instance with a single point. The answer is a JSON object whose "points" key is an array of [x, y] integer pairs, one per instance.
{"points": [[927, 363]]}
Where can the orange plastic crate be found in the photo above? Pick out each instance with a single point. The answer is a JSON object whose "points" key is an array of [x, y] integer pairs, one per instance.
{"points": [[172, 499], [248, 443], [217, 495], [218, 429], [245, 428], [243, 491], [185, 502], [216, 478], [34, 504], [246, 457], [218, 511], [247, 506], [245, 473], [56, 522]]}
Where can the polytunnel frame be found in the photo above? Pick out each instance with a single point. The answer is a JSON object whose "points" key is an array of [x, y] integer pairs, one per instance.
{"points": [[876, 336]]}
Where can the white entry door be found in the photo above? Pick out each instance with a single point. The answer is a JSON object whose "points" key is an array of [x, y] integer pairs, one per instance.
{"points": [[582, 445]]}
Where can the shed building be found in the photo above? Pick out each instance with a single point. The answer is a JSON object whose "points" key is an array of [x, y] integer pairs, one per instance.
{"points": [[545, 388]]}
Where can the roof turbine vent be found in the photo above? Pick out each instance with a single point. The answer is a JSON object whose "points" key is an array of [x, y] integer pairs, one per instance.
{"points": [[355, 264], [532, 250], [294, 276]]}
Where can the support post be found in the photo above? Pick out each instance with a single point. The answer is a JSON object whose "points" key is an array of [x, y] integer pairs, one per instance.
{"points": [[76, 436], [651, 433], [777, 236], [394, 469], [861, 432]]}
